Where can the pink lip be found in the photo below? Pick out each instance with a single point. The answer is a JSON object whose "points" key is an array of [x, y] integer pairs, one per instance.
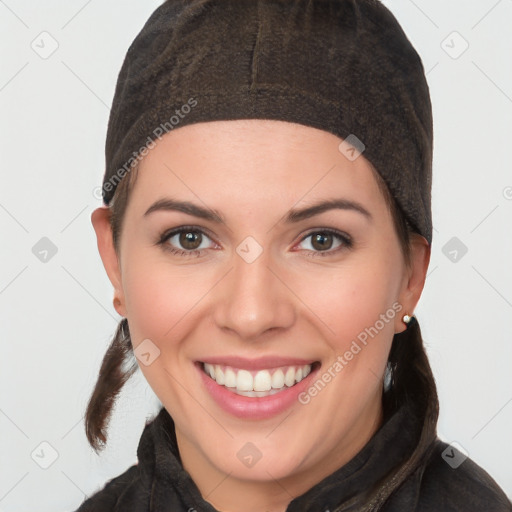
{"points": [[255, 408], [261, 363]]}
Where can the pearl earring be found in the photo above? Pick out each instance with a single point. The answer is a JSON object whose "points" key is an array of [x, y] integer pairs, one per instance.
{"points": [[406, 319]]}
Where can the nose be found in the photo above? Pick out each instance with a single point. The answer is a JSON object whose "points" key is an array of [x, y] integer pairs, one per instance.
{"points": [[253, 299]]}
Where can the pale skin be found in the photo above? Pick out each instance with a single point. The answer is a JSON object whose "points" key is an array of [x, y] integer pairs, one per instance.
{"points": [[287, 302]]}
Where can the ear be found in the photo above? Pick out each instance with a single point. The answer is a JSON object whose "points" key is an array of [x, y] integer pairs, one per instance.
{"points": [[100, 219], [414, 278]]}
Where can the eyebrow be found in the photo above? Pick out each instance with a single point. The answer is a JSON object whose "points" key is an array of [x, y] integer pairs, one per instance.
{"points": [[292, 216], [185, 207], [322, 206]]}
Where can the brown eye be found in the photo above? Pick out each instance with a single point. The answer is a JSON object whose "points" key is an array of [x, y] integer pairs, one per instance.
{"points": [[325, 242], [190, 239], [322, 241], [186, 241]]}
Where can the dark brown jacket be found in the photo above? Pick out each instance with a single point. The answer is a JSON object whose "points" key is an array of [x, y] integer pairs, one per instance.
{"points": [[158, 483]]}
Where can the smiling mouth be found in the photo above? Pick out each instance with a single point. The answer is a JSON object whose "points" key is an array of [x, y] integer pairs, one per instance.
{"points": [[259, 383]]}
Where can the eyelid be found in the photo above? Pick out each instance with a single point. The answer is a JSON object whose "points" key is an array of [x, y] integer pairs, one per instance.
{"points": [[331, 231], [169, 233], [345, 238]]}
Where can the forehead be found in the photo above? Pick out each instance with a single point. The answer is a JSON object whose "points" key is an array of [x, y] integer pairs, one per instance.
{"points": [[254, 161]]}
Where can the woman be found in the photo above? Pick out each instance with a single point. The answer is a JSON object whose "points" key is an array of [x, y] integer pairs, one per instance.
{"points": [[267, 231]]}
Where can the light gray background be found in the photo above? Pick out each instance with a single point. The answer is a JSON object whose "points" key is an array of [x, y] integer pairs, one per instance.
{"points": [[57, 317]]}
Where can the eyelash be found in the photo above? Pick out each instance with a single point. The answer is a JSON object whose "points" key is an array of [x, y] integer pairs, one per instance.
{"points": [[346, 241]]}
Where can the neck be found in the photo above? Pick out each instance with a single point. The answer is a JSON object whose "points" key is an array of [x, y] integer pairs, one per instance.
{"points": [[227, 493]]}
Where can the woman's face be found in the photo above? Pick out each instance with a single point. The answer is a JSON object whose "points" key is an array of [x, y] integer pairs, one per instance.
{"points": [[266, 286]]}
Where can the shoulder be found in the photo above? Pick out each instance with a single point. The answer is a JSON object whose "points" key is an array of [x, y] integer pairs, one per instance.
{"points": [[451, 482], [125, 488]]}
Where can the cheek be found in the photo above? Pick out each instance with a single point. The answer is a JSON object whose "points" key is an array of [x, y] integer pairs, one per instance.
{"points": [[160, 294], [160, 300], [352, 299]]}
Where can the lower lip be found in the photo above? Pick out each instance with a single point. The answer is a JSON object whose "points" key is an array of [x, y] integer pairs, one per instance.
{"points": [[256, 408]]}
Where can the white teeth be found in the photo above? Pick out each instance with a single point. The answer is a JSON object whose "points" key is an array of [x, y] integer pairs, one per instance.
{"points": [[229, 378], [244, 381], [289, 378], [259, 383], [219, 375], [209, 368], [278, 379], [262, 381]]}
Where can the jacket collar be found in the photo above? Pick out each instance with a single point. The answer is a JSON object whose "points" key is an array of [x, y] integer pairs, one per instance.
{"points": [[172, 488]]}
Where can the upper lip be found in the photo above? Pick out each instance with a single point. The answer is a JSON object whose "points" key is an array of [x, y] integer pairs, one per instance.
{"points": [[260, 363]]}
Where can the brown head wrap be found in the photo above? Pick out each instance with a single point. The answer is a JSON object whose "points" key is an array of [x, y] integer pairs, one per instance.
{"points": [[344, 66]]}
